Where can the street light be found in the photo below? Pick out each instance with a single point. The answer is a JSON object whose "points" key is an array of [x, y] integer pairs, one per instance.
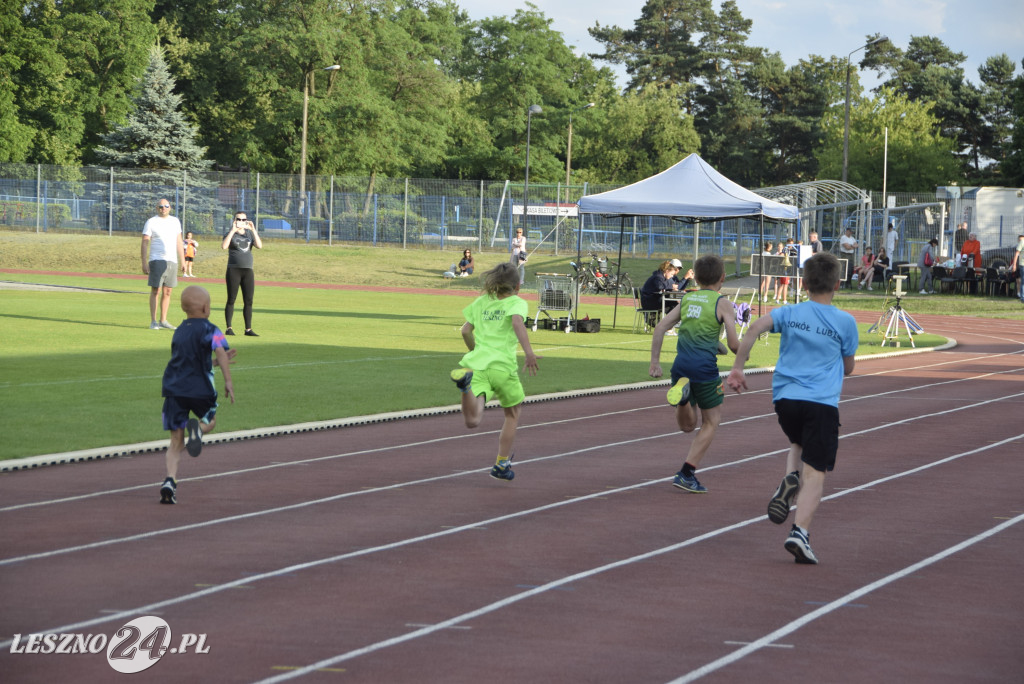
{"points": [[533, 109], [846, 126], [568, 148], [305, 118]]}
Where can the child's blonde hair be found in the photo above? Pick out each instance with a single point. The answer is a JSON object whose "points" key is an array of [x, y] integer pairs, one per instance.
{"points": [[503, 279]]}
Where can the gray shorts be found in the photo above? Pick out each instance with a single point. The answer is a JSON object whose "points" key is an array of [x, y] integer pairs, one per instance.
{"points": [[163, 273]]}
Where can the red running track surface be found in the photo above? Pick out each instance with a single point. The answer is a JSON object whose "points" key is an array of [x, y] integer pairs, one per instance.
{"points": [[384, 553]]}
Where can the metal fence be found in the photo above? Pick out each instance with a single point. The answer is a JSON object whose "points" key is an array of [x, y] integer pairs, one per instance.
{"points": [[446, 214]]}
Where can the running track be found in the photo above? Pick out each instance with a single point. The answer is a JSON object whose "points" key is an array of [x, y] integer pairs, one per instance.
{"points": [[384, 553]]}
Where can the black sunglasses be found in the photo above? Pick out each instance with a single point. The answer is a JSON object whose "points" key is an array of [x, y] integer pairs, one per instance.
{"points": [[164, 206], [241, 218]]}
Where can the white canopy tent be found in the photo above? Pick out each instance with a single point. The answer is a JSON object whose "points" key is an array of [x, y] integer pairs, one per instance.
{"points": [[689, 191]]}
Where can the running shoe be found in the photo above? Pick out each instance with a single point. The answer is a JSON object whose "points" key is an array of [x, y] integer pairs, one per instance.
{"points": [[166, 325], [229, 331], [778, 507], [798, 543], [679, 392], [251, 333], [462, 377], [154, 326], [169, 491], [505, 473], [194, 437], [689, 483]]}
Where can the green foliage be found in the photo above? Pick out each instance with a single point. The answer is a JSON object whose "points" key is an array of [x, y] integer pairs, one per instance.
{"points": [[918, 156]]}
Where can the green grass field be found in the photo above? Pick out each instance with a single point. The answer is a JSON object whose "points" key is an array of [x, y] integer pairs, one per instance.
{"points": [[80, 369]]}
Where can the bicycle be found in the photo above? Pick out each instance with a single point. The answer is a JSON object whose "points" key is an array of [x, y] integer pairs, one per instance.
{"points": [[598, 277]]}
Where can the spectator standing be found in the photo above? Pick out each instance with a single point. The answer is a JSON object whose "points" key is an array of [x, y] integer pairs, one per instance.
{"points": [[959, 237], [191, 249], [892, 238], [848, 251], [161, 238], [1018, 266], [519, 255], [239, 241], [815, 243], [925, 262]]}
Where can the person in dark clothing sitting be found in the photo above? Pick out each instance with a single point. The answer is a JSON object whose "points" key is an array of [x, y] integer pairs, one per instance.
{"points": [[661, 280]]}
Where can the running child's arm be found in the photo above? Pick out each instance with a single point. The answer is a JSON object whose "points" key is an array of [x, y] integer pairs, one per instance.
{"points": [[736, 379], [467, 335], [224, 358], [664, 325], [524, 341]]}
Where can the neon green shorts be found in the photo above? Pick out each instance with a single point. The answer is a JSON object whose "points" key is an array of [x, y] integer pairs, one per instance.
{"points": [[498, 383]]}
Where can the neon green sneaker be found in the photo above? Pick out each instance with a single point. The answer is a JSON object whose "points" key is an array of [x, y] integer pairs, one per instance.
{"points": [[680, 392], [462, 377]]}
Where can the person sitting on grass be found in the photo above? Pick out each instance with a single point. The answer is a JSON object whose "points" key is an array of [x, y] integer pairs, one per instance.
{"points": [[494, 323], [188, 386], [466, 265]]}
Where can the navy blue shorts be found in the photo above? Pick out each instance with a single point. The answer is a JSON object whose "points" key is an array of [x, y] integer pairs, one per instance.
{"points": [[177, 410], [815, 427]]}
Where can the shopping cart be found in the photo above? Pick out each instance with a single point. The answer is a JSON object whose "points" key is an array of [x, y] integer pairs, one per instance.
{"points": [[557, 293]]}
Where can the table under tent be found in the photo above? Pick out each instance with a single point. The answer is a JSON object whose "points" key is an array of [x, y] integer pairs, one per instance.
{"points": [[691, 191]]}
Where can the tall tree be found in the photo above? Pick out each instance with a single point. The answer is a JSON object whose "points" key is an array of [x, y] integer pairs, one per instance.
{"points": [[156, 135], [996, 109], [919, 156], [1013, 167]]}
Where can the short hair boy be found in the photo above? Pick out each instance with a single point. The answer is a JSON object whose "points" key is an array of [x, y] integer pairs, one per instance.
{"points": [[696, 382], [816, 351], [188, 386]]}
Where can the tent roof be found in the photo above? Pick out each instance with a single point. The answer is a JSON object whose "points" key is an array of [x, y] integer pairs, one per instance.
{"points": [[689, 190]]}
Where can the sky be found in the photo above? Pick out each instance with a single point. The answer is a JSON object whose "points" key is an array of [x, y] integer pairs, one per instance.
{"points": [[797, 28]]}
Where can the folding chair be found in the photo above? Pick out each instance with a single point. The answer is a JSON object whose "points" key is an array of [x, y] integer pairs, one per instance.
{"points": [[649, 317]]}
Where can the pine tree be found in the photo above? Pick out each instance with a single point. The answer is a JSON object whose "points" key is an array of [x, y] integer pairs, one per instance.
{"points": [[157, 149], [156, 135]]}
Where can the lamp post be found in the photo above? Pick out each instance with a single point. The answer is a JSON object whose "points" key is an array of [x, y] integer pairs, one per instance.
{"points": [[305, 119], [846, 125], [568, 148], [533, 109]]}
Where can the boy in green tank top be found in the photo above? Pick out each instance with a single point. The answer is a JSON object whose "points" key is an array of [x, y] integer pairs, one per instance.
{"points": [[489, 370], [696, 381]]}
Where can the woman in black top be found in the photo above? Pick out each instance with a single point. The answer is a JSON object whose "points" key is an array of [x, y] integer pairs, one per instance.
{"points": [[662, 280], [239, 242]]}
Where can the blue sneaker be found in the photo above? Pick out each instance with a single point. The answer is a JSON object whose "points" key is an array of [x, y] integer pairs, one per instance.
{"points": [[778, 507], [798, 543], [194, 437], [505, 473], [462, 377], [689, 483], [679, 393]]}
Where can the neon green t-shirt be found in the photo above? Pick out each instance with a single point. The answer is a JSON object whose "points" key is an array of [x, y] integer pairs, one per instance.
{"points": [[492, 329]]}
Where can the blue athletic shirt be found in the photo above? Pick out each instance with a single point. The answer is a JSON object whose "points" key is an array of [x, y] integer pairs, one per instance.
{"points": [[189, 373], [815, 340], [699, 329]]}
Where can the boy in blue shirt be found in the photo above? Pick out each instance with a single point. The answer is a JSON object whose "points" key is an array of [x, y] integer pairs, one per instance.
{"points": [[188, 383], [816, 351], [696, 382]]}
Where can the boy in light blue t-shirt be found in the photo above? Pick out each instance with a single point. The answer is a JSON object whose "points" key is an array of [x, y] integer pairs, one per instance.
{"points": [[816, 351]]}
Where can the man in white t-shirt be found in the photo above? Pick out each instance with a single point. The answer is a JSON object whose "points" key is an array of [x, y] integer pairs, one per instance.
{"points": [[848, 251], [161, 238], [891, 238]]}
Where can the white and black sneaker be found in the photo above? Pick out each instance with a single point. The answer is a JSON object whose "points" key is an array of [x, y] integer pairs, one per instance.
{"points": [[778, 507], [798, 543], [169, 491]]}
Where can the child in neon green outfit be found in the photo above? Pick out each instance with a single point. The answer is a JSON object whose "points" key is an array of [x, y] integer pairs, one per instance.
{"points": [[494, 324]]}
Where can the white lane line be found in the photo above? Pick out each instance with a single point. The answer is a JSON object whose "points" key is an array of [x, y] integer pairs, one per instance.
{"points": [[768, 639]]}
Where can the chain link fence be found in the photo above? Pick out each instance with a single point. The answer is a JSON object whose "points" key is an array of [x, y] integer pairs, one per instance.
{"points": [[439, 214]]}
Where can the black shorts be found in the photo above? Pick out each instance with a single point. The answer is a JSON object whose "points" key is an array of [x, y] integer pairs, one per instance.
{"points": [[815, 427], [177, 409]]}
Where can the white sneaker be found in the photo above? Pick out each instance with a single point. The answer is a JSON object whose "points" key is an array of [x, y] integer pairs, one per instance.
{"points": [[922, 292], [869, 287]]}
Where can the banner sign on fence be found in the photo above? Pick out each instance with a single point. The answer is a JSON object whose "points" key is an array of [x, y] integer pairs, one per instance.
{"points": [[547, 210]]}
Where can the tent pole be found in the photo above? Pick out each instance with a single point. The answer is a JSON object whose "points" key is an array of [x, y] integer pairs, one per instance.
{"points": [[579, 270], [618, 271], [760, 250]]}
